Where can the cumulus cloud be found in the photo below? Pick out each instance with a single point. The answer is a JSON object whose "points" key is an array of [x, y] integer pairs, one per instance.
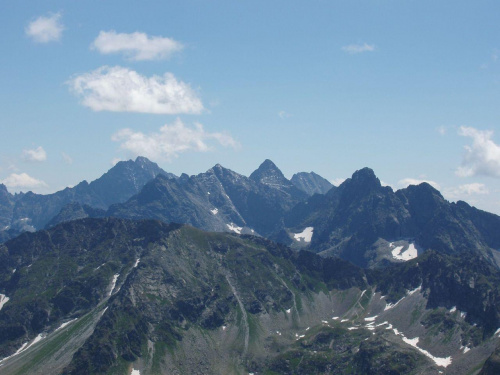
{"points": [[136, 46], [171, 140], [482, 157], [45, 28], [405, 182], [22, 181], [35, 155], [358, 48], [119, 89], [463, 192]]}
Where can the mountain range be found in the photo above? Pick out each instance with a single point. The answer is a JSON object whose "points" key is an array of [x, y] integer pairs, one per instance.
{"points": [[143, 272]]}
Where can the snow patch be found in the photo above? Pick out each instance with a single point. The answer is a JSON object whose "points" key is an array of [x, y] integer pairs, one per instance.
{"points": [[335, 318], [305, 235], [113, 283], [497, 332], [288, 311], [3, 300], [344, 320], [137, 262], [233, 227], [466, 349], [443, 362], [351, 328], [135, 372], [453, 309], [371, 318], [65, 324], [214, 211], [410, 253], [389, 306]]}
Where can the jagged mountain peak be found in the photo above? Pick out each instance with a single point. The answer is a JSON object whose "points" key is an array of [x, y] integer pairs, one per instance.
{"points": [[365, 175], [3, 188], [268, 173], [424, 190], [362, 181]]}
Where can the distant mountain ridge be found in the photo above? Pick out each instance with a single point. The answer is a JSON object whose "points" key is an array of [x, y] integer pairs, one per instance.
{"points": [[122, 181], [311, 183], [348, 221], [360, 221]]}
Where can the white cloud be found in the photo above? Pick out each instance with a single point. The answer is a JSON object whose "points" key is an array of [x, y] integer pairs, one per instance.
{"points": [[136, 46], [35, 155], [463, 192], [67, 159], [480, 158], [45, 28], [120, 89], [22, 180], [358, 48], [405, 182], [171, 140]]}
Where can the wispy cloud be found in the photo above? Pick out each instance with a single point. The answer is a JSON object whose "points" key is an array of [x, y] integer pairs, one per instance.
{"points": [[358, 48], [45, 28], [136, 46], [67, 159], [22, 181], [482, 157], [442, 130], [171, 140], [464, 192], [35, 155], [120, 89], [405, 182], [283, 115]]}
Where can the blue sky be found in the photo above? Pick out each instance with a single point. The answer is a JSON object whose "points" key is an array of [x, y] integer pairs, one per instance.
{"points": [[408, 88]]}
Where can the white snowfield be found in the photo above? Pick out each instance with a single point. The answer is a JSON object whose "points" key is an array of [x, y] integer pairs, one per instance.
{"points": [[25, 347], [443, 362], [408, 254], [66, 324], [135, 372], [113, 283], [3, 300], [214, 211], [137, 262], [233, 227], [305, 235]]}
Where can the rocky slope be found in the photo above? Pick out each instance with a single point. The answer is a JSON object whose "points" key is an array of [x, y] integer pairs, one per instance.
{"points": [[217, 200], [108, 296]]}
